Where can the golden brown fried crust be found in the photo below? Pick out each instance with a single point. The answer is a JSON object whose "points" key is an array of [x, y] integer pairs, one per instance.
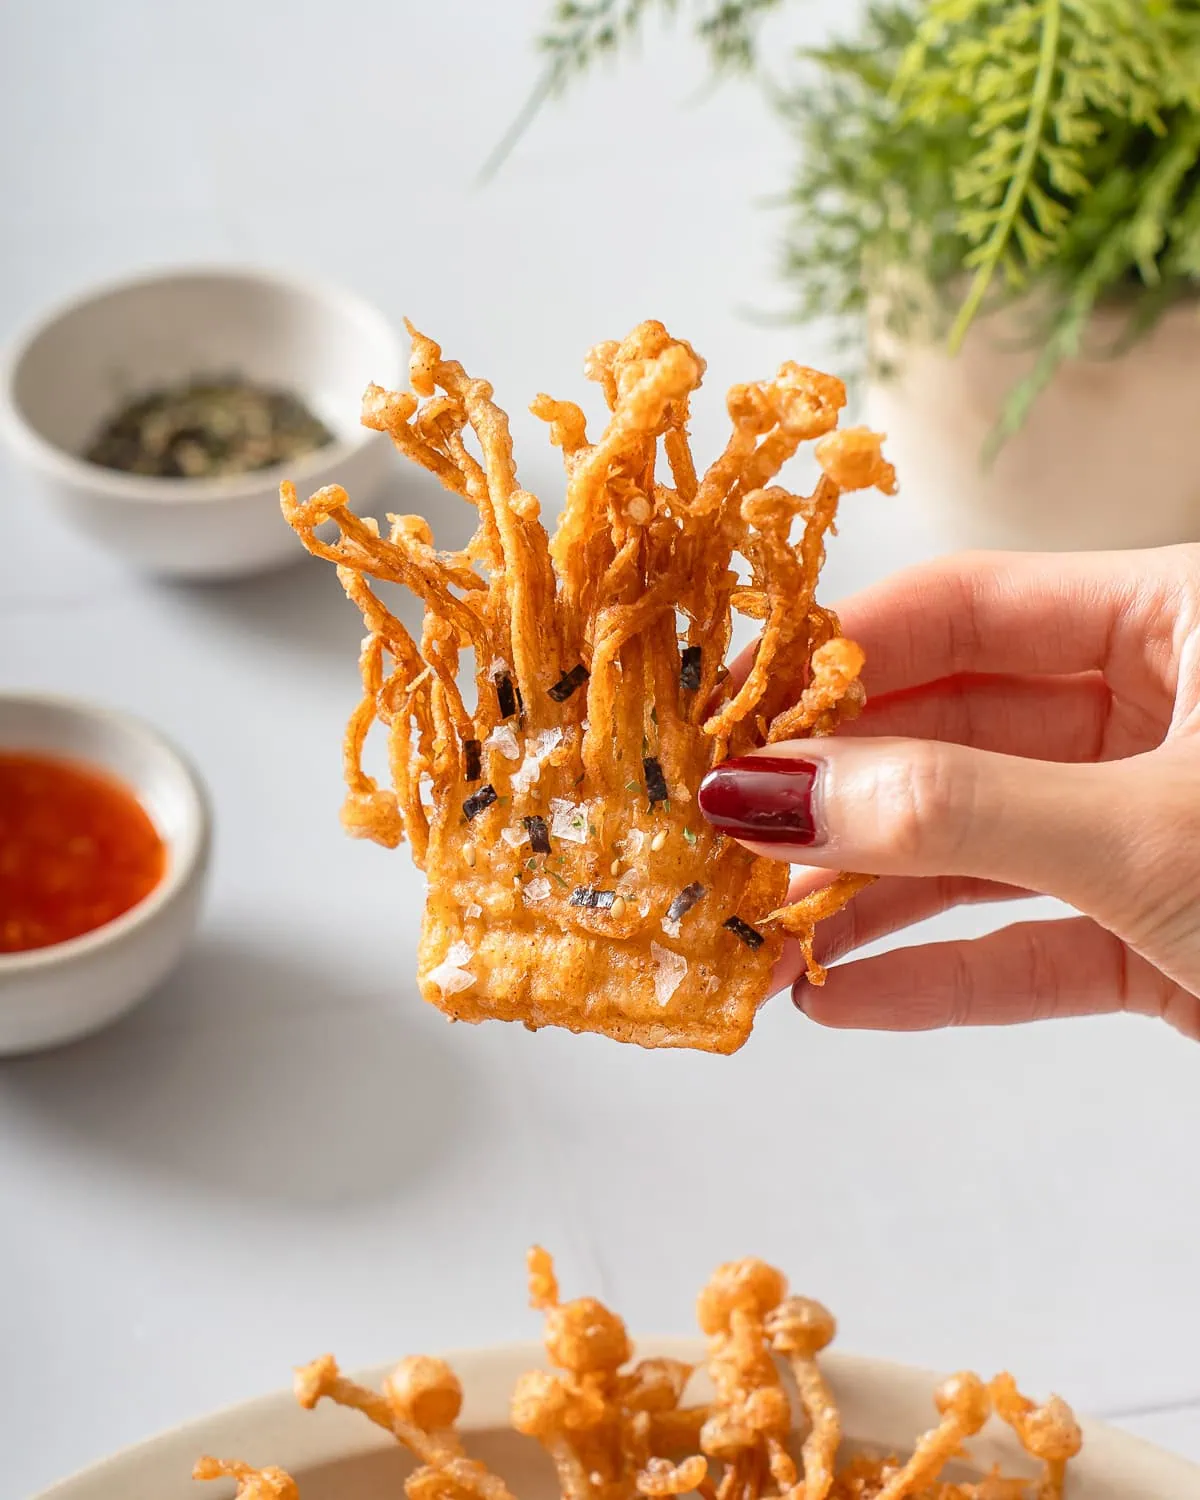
{"points": [[619, 1429], [634, 594]]}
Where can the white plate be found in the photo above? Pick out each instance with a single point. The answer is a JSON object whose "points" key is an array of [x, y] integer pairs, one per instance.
{"points": [[338, 1455]]}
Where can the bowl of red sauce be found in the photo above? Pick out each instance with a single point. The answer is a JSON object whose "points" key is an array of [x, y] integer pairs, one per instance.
{"points": [[104, 837]]}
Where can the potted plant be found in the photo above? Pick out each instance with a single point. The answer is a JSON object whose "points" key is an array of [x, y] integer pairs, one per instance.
{"points": [[999, 203]]}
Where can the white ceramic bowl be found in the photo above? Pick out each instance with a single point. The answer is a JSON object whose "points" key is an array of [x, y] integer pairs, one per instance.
{"points": [[53, 995], [73, 369], [338, 1455]]}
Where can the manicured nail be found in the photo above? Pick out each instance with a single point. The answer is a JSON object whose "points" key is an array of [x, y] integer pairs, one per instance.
{"points": [[766, 799]]}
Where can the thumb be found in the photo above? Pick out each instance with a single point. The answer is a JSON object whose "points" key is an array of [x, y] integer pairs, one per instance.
{"points": [[924, 807]]}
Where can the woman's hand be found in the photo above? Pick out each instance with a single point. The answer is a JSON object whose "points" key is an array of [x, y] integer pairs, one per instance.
{"points": [[1033, 725]]}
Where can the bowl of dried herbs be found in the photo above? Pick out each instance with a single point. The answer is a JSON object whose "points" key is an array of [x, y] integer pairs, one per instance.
{"points": [[158, 415]]}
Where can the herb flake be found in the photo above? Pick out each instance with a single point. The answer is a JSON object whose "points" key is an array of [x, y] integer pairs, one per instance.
{"points": [[506, 694], [539, 834], [689, 669], [592, 899], [656, 782], [684, 902], [749, 935], [478, 801], [568, 683]]}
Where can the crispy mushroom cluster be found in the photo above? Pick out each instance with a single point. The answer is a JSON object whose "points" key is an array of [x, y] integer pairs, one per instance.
{"points": [[572, 881], [617, 1429]]}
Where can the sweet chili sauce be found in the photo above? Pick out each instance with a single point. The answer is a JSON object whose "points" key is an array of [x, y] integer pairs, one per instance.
{"points": [[76, 850]]}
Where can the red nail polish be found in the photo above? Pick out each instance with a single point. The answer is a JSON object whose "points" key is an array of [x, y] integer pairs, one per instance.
{"points": [[767, 799]]}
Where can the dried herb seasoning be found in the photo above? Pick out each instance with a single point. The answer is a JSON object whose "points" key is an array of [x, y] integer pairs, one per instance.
{"points": [[539, 834], [506, 694], [478, 801], [656, 782], [684, 902], [749, 935], [591, 898], [568, 683], [207, 429]]}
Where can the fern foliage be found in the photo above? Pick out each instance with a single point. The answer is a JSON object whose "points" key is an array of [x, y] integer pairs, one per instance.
{"points": [[1039, 86], [978, 149]]}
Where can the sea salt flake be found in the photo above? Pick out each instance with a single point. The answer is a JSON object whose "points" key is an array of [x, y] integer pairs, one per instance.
{"points": [[527, 774], [546, 741], [473, 911], [504, 739], [669, 971], [449, 975], [670, 928], [569, 821], [537, 889], [631, 845], [515, 837], [537, 751]]}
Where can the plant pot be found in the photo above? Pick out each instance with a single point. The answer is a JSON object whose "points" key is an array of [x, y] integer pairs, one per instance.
{"points": [[1108, 457]]}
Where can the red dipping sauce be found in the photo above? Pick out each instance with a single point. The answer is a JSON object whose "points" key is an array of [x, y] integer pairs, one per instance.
{"points": [[76, 850]]}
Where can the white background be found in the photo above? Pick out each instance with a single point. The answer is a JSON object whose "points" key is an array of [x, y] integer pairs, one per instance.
{"points": [[285, 1152]]}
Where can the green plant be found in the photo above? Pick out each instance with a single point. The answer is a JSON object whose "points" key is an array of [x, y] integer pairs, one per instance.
{"points": [[1007, 147]]}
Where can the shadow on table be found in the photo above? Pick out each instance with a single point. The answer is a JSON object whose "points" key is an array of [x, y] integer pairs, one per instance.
{"points": [[258, 1077], [301, 606]]}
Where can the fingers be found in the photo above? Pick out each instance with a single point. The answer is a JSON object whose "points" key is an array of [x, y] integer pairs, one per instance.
{"points": [[895, 903], [1001, 612], [1028, 972], [917, 807], [1047, 718], [881, 909], [1019, 613]]}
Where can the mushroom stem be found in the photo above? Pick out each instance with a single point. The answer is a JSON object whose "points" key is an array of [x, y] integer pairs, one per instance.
{"points": [[965, 1406]]}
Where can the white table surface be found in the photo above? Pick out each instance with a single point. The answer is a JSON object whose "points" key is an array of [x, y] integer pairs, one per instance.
{"points": [[285, 1152]]}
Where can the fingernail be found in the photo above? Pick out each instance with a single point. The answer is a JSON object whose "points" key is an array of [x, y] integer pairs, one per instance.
{"points": [[767, 799], [799, 991]]}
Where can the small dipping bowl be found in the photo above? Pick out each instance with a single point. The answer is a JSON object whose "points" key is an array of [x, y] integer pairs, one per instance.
{"points": [[58, 993], [78, 366]]}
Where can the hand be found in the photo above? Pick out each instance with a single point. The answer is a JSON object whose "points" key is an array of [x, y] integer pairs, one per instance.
{"points": [[1033, 725]]}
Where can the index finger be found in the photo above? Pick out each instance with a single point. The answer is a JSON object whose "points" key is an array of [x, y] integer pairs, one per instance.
{"points": [[990, 612]]}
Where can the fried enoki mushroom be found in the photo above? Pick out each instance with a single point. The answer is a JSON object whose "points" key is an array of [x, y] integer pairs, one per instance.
{"points": [[617, 1429], [1049, 1432], [964, 1406], [799, 1329], [572, 881], [252, 1484], [608, 1426], [419, 1406]]}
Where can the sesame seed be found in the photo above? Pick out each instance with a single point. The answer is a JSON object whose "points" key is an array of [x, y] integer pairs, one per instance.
{"points": [[659, 839], [469, 856], [615, 867], [618, 907]]}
